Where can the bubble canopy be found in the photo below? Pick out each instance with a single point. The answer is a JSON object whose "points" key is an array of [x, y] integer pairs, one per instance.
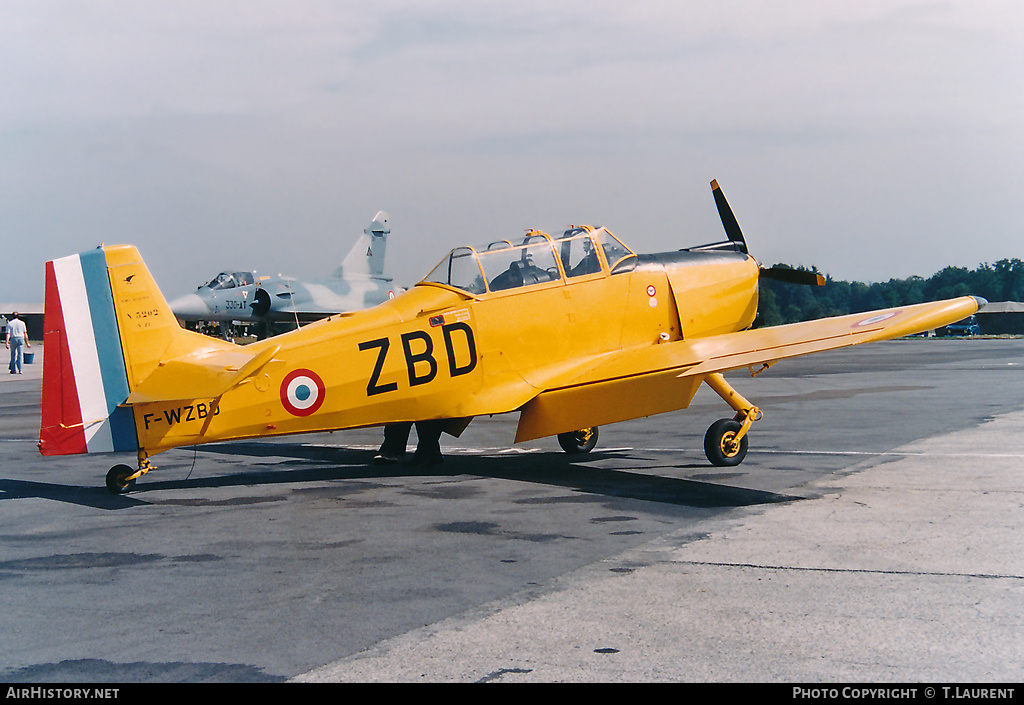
{"points": [[534, 258]]}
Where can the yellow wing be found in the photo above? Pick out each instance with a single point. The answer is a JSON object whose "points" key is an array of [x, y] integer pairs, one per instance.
{"points": [[638, 382], [767, 345]]}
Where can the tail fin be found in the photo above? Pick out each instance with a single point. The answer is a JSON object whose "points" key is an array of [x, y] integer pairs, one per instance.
{"points": [[111, 342], [84, 373], [366, 258]]}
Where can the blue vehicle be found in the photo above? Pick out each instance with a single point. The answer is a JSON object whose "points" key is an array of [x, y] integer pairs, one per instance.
{"points": [[968, 326]]}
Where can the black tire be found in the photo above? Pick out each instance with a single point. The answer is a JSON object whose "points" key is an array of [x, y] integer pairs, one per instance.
{"points": [[582, 441], [715, 443], [117, 479]]}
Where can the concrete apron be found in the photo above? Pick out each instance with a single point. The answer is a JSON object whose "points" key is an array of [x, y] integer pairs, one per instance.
{"points": [[906, 568]]}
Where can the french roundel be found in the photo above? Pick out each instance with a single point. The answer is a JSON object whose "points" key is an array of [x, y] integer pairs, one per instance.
{"points": [[876, 319], [302, 392]]}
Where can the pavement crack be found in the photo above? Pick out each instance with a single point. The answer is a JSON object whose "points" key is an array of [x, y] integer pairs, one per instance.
{"points": [[878, 571]]}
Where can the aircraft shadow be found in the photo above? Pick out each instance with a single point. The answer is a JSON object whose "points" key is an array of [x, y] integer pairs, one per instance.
{"points": [[310, 464], [555, 469], [96, 497]]}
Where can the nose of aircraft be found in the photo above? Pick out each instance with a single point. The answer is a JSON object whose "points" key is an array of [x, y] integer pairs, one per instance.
{"points": [[188, 306]]}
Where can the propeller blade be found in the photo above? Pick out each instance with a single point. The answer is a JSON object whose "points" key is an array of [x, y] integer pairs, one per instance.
{"points": [[793, 276], [732, 228]]}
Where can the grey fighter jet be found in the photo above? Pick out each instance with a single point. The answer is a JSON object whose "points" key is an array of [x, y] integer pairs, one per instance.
{"points": [[247, 297]]}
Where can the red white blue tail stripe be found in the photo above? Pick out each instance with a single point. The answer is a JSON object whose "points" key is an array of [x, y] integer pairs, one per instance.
{"points": [[84, 376]]}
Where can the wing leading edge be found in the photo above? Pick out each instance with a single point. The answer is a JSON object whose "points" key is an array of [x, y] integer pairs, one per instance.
{"points": [[639, 382]]}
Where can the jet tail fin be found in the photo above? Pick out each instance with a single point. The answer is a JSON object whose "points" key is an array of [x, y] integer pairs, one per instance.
{"points": [[366, 258], [108, 333]]}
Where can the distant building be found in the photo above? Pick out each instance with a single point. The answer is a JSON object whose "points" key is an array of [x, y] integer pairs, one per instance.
{"points": [[32, 314], [1002, 318]]}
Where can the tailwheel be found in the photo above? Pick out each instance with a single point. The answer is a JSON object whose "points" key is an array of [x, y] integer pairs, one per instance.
{"points": [[721, 444], [582, 441], [120, 480]]}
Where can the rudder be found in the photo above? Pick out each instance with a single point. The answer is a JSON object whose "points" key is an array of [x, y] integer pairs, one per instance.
{"points": [[84, 375], [366, 258]]}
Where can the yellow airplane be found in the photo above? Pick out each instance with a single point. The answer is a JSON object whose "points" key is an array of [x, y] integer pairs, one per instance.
{"points": [[572, 331]]}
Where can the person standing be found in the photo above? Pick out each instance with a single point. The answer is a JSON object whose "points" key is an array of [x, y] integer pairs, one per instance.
{"points": [[17, 338], [396, 439]]}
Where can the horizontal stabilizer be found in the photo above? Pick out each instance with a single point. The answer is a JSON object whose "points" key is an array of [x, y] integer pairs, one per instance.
{"points": [[205, 375]]}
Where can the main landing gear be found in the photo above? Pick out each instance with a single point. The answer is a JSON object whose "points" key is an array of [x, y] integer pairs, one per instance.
{"points": [[121, 478], [582, 441], [725, 443]]}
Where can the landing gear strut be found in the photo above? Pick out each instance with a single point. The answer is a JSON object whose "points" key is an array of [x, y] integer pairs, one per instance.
{"points": [[121, 478], [725, 443]]}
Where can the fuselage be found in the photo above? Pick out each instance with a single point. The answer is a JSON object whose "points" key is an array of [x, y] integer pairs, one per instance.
{"points": [[457, 346], [281, 299]]}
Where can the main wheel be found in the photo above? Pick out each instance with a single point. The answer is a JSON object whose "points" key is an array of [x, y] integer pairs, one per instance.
{"points": [[117, 479], [720, 445], [582, 441]]}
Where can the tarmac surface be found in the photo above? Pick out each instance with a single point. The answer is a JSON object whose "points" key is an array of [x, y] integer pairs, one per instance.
{"points": [[870, 536]]}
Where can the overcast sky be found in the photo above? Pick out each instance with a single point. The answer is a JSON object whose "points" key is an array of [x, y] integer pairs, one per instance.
{"points": [[870, 139]]}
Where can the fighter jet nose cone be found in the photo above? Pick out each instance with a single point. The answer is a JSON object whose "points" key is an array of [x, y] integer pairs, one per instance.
{"points": [[189, 305]]}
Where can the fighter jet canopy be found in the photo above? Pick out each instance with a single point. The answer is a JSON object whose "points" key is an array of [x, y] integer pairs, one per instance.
{"points": [[229, 280]]}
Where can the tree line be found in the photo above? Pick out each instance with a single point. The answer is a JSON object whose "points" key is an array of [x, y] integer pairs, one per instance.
{"points": [[790, 303]]}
